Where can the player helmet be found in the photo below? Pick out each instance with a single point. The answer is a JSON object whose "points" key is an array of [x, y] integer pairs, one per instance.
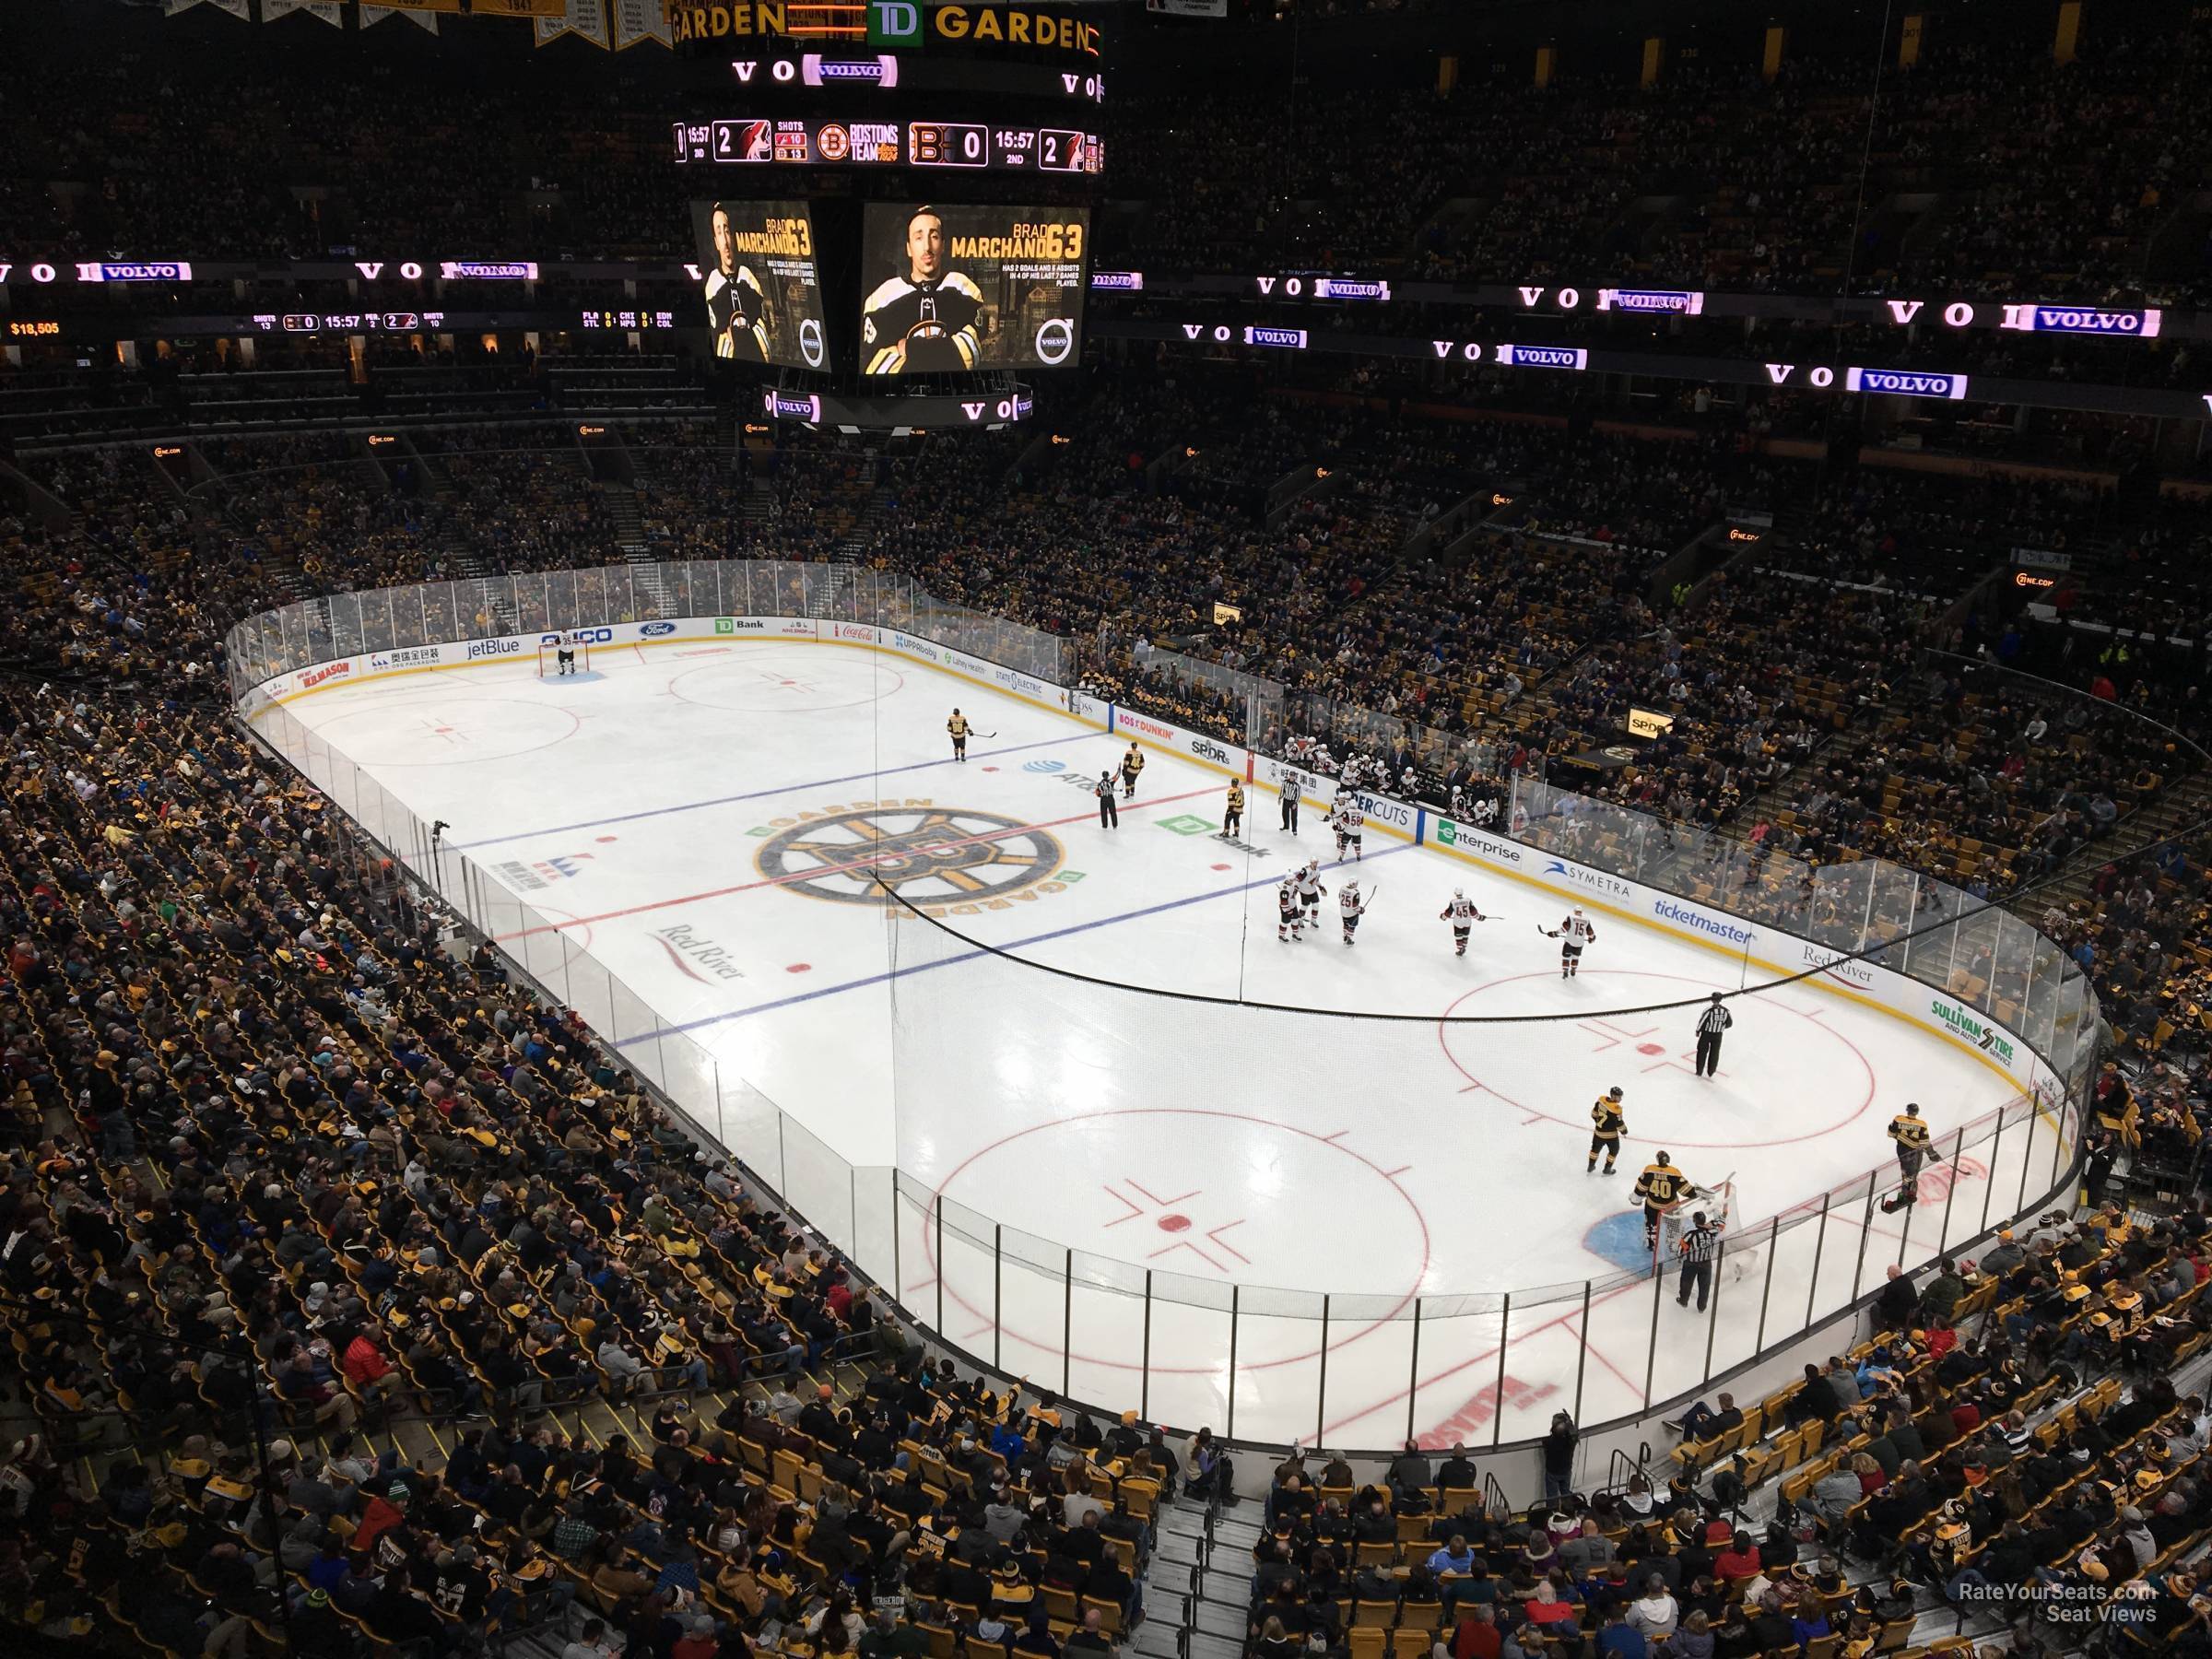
{"points": [[1577, 909], [1663, 1157], [1614, 1092], [1911, 1107], [1459, 892]]}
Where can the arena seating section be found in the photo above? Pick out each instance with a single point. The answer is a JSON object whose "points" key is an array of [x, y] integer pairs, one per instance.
{"points": [[533, 1358]]}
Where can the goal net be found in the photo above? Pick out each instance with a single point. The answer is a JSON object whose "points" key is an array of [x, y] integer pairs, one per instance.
{"points": [[549, 658], [1721, 1204]]}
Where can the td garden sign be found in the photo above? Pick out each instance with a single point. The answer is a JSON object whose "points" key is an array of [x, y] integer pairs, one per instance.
{"points": [[912, 24]]}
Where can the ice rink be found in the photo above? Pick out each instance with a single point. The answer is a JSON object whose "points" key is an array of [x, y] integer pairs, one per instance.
{"points": [[705, 821]]}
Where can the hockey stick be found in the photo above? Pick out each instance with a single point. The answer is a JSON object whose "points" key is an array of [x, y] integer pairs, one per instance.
{"points": [[1547, 932], [986, 734]]}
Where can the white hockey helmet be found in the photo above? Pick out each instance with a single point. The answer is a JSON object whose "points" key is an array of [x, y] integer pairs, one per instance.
{"points": [[1577, 909], [1459, 892]]}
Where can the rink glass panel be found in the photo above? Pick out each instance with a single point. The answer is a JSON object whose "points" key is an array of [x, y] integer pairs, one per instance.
{"points": [[1188, 1348]]}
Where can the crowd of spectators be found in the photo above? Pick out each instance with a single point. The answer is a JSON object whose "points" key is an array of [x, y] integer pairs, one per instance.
{"points": [[1976, 1450], [1712, 177], [280, 1148], [279, 1136]]}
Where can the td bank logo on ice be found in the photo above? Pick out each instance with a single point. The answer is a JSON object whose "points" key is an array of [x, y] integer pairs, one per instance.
{"points": [[945, 861]]}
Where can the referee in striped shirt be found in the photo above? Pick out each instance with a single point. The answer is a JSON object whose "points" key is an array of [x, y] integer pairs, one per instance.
{"points": [[1714, 1021], [1700, 1241]]}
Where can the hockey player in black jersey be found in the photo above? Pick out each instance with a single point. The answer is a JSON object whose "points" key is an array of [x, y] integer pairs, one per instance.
{"points": [[929, 320]]}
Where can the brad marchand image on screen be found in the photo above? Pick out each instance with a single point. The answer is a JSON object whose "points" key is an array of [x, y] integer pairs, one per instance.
{"points": [[761, 293], [972, 286]]}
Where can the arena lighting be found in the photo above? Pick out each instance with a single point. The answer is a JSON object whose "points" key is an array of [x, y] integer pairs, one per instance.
{"points": [[781, 405], [816, 70], [1905, 382], [2022, 579], [488, 270], [377, 439], [1320, 288], [1541, 357], [1287, 340], [590, 431], [2139, 324], [163, 450], [143, 270], [1127, 282], [1679, 302]]}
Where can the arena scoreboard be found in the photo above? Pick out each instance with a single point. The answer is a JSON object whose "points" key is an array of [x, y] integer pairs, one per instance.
{"points": [[978, 145], [893, 204]]}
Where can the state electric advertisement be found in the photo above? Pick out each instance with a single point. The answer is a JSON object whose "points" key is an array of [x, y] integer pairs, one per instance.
{"points": [[761, 296], [971, 286]]}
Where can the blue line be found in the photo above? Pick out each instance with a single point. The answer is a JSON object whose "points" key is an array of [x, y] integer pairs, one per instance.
{"points": [[755, 795], [1058, 933]]}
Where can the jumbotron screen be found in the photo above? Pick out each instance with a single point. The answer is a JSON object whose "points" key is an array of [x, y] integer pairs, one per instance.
{"points": [[959, 287], [763, 295]]}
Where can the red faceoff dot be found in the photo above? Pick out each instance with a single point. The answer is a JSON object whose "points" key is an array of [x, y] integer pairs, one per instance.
{"points": [[1650, 1048], [1174, 1224], [800, 968], [1221, 866], [606, 838]]}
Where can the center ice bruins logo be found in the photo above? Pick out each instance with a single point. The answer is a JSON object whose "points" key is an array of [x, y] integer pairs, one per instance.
{"points": [[936, 856]]}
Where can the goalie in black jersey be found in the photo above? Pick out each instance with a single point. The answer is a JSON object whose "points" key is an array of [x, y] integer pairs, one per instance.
{"points": [[929, 320]]}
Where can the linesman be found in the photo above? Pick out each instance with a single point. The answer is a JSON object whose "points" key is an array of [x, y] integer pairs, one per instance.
{"points": [[1713, 1025], [1701, 1240]]}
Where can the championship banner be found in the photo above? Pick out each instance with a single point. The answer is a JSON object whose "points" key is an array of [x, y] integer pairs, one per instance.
{"points": [[240, 9], [585, 18], [637, 20], [373, 15], [517, 8], [414, 6], [331, 12], [1188, 8]]}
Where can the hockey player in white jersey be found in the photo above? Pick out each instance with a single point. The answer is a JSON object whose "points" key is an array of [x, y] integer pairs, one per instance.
{"points": [[1310, 890], [1573, 933], [1290, 920], [1351, 904], [1349, 822], [1463, 915]]}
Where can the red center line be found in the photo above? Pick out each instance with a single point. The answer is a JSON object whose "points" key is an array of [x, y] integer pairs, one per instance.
{"points": [[858, 863]]}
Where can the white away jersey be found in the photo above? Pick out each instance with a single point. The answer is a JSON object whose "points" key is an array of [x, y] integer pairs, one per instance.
{"points": [[1349, 901], [1461, 912], [1576, 930]]}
